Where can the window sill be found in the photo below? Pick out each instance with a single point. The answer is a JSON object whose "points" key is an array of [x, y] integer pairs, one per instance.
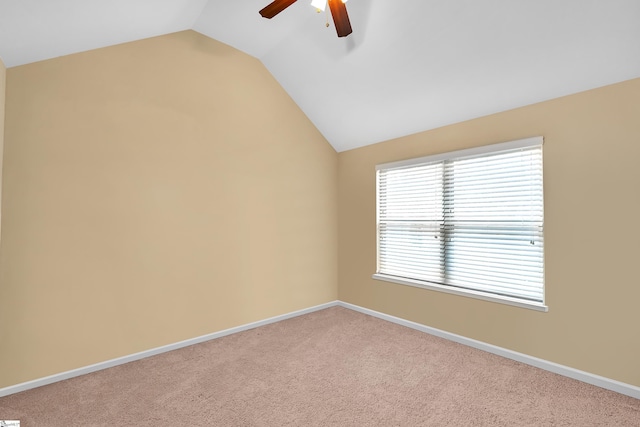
{"points": [[462, 292]]}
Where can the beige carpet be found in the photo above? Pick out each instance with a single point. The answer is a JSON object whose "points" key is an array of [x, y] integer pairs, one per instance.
{"points": [[334, 367]]}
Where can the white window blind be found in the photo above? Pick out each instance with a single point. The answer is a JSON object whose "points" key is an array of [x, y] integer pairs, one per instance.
{"points": [[470, 220]]}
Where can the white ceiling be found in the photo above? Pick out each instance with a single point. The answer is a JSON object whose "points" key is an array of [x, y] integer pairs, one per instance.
{"points": [[409, 66]]}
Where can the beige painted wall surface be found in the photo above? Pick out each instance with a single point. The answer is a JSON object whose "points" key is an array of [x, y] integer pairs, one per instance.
{"points": [[156, 191], [3, 76], [592, 206]]}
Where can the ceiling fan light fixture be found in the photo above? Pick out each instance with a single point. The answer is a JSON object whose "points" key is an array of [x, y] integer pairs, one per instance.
{"points": [[320, 5], [337, 7]]}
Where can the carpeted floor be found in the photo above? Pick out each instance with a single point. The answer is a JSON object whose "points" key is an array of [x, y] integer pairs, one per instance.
{"points": [[334, 367]]}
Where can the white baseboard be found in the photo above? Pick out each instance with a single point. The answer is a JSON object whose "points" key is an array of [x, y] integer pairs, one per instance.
{"points": [[137, 356], [607, 383]]}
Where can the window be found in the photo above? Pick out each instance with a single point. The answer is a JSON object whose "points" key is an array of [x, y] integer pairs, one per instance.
{"points": [[468, 222]]}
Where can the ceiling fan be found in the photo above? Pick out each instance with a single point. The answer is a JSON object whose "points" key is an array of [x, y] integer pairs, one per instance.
{"points": [[338, 12]]}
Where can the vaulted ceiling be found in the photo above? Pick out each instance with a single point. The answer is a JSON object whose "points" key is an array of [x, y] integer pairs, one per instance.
{"points": [[409, 66]]}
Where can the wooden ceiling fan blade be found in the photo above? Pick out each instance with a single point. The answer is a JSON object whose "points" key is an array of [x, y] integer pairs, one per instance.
{"points": [[272, 9], [340, 17]]}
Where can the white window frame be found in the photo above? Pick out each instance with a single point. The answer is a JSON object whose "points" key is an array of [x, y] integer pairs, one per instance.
{"points": [[489, 149]]}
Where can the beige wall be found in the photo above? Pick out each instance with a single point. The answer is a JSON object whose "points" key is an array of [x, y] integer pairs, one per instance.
{"points": [[3, 76], [156, 191], [592, 232]]}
